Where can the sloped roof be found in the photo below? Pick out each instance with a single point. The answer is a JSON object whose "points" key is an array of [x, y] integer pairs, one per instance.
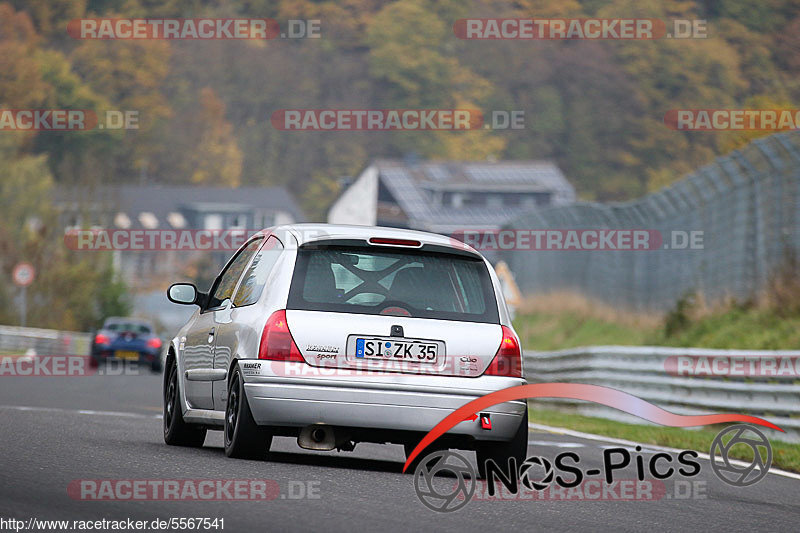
{"points": [[410, 183]]}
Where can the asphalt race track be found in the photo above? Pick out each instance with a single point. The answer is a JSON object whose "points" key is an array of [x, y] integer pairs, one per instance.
{"points": [[60, 429]]}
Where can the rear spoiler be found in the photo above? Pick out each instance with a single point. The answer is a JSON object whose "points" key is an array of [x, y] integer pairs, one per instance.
{"points": [[428, 248]]}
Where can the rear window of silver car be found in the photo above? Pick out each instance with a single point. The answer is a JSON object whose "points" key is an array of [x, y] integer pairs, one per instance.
{"points": [[366, 280]]}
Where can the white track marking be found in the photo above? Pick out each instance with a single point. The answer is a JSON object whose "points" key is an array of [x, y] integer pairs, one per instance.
{"points": [[89, 412], [556, 444], [601, 438]]}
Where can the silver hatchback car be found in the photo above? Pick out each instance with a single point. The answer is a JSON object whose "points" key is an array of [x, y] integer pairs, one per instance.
{"points": [[343, 334]]}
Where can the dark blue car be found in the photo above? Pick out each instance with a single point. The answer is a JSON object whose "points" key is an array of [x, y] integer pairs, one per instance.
{"points": [[127, 339]]}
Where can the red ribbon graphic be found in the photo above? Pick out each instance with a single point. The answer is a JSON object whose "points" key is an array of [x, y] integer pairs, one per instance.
{"points": [[578, 391]]}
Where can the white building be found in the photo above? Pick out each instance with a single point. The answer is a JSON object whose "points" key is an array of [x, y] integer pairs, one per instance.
{"points": [[451, 195]]}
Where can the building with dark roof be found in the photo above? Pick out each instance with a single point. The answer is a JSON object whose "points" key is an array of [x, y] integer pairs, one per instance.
{"points": [[451, 195], [167, 207], [177, 207]]}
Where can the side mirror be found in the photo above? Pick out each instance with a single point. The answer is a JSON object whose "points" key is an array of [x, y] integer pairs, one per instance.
{"points": [[184, 294]]}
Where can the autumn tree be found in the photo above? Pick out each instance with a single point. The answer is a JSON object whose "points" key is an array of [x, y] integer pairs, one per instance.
{"points": [[217, 159]]}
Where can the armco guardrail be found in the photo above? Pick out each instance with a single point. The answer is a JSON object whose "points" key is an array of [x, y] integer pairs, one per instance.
{"points": [[642, 371], [43, 341]]}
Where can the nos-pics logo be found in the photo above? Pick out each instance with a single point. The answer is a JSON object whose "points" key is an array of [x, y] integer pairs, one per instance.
{"points": [[445, 481]]}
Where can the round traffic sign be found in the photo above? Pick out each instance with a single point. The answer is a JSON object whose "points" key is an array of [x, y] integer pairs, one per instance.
{"points": [[23, 274]]}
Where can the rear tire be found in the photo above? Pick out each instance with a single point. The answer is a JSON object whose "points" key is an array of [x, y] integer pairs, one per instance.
{"points": [[244, 439], [500, 452], [177, 432]]}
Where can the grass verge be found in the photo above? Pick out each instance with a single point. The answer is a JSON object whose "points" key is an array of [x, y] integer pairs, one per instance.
{"points": [[785, 456], [558, 321], [561, 320]]}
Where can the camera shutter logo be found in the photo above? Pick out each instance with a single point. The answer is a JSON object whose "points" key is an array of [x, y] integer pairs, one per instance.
{"points": [[741, 476], [525, 473], [447, 495]]}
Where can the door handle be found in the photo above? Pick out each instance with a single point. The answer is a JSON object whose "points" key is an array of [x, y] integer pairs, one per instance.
{"points": [[211, 335]]}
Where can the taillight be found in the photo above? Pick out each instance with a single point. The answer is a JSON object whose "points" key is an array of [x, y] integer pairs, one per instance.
{"points": [[154, 343], [508, 359], [277, 342], [101, 339]]}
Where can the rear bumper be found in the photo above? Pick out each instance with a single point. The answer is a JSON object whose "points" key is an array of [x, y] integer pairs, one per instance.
{"points": [[379, 401]]}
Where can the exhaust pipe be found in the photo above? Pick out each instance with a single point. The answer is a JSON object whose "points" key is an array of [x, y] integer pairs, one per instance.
{"points": [[317, 437]]}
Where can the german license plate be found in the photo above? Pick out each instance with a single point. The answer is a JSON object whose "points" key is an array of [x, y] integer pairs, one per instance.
{"points": [[127, 355], [396, 350]]}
